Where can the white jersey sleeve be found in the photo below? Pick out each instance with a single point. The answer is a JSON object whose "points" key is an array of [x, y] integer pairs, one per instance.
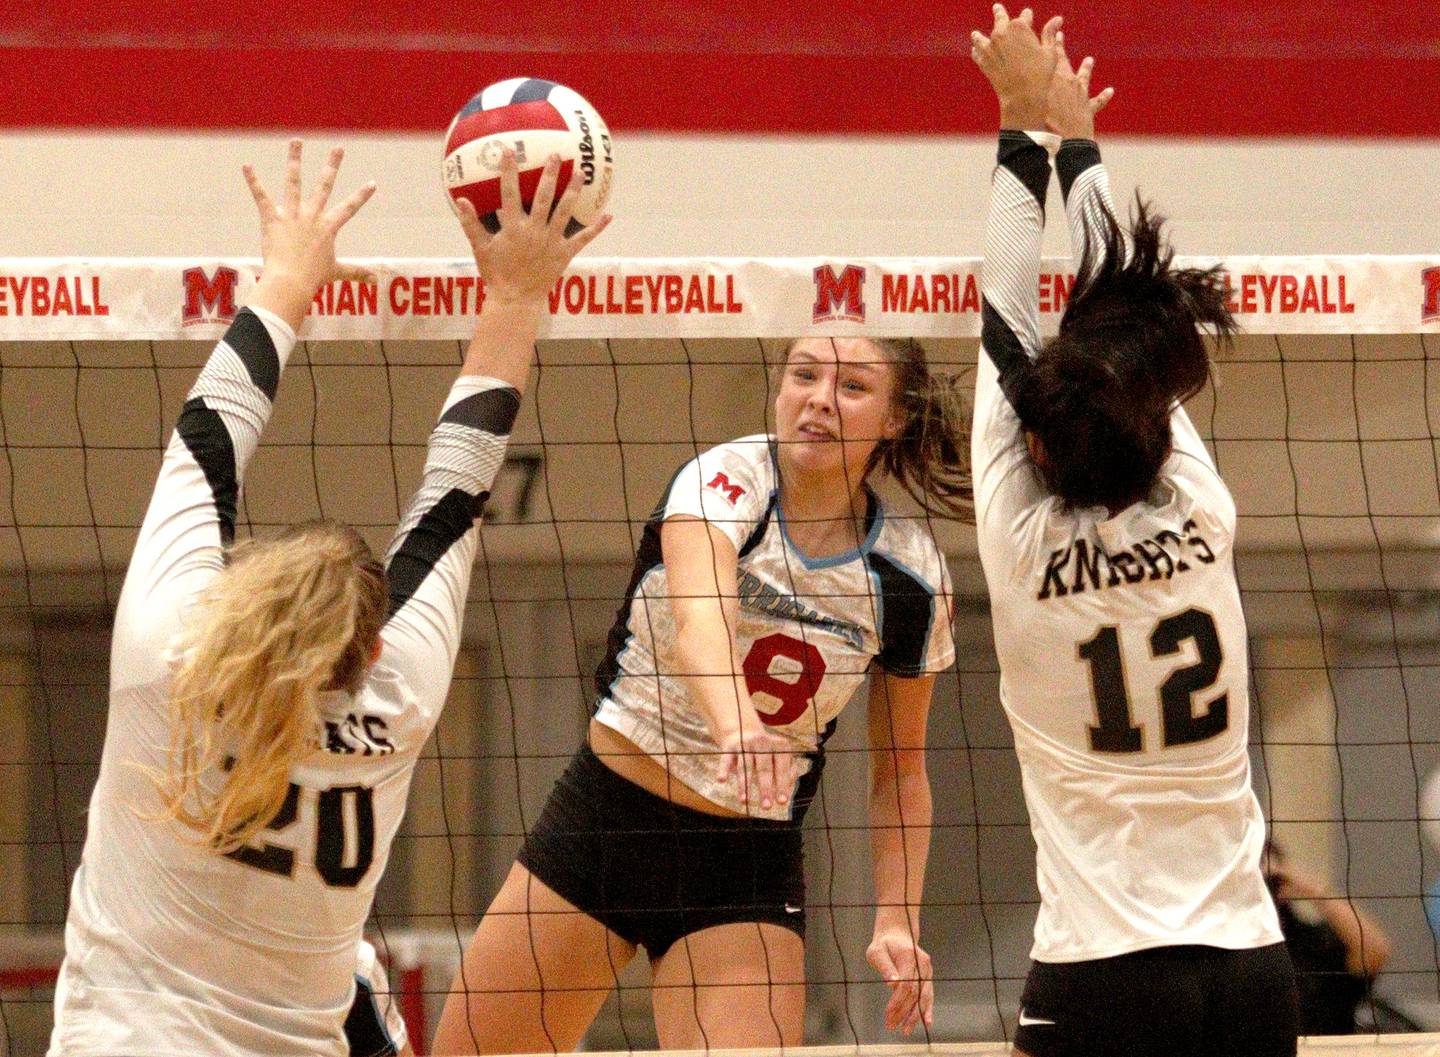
{"points": [[730, 486], [1006, 485], [429, 559], [191, 517]]}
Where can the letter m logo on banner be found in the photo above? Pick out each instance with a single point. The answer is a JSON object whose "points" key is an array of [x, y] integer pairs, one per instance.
{"points": [[840, 296], [1430, 307], [209, 300]]}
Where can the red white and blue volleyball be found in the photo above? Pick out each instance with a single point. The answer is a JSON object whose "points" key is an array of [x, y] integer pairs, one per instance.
{"points": [[535, 119]]}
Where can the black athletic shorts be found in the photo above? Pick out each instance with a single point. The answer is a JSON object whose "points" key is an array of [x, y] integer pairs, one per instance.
{"points": [[1183, 1001], [366, 1029], [652, 871]]}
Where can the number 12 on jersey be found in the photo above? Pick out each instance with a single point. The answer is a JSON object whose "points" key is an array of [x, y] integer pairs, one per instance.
{"points": [[1181, 722]]}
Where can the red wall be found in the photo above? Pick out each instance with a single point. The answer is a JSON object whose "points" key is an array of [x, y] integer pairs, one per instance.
{"points": [[1264, 67]]}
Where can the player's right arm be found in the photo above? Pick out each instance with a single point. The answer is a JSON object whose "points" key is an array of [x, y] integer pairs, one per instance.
{"points": [[701, 567], [191, 517], [429, 559]]}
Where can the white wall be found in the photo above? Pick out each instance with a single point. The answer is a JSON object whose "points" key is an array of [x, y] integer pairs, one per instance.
{"points": [[148, 195]]}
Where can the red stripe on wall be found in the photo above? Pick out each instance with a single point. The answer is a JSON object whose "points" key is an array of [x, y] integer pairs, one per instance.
{"points": [[1181, 67]]}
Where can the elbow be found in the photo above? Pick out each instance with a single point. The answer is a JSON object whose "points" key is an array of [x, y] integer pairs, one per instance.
{"points": [[894, 769], [1371, 954]]}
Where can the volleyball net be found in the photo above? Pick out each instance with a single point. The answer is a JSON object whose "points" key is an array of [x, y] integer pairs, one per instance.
{"points": [[1322, 419]]}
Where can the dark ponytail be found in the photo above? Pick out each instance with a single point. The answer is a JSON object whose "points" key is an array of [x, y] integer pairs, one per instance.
{"points": [[1099, 395]]}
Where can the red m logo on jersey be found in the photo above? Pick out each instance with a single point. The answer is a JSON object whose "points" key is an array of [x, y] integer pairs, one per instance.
{"points": [[1430, 309], [721, 484], [840, 296], [209, 300]]}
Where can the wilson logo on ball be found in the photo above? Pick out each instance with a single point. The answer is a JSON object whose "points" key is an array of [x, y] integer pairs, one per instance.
{"points": [[535, 119]]}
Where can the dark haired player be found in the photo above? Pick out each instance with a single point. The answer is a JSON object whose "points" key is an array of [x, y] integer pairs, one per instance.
{"points": [[1106, 537]]}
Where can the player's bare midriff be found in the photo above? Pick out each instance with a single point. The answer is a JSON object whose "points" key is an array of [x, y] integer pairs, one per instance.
{"points": [[632, 763]]}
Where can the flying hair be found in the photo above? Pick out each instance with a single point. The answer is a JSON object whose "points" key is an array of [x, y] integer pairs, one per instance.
{"points": [[930, 456], [1099, 395]]}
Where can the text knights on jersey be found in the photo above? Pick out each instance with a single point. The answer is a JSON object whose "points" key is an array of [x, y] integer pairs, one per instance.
{"points": [[1070, 570]]}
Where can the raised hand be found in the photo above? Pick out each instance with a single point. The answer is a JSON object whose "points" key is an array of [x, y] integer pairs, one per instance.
{"points": [[522, 261], [906, 969], [1018, 64], [297, 236], [1070, 109]]}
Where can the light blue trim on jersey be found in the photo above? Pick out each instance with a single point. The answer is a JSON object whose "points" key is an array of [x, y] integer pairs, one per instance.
{"points": [[877, 523], [877, 601], [934, 600]]}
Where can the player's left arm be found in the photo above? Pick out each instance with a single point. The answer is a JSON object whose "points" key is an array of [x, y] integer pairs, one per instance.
{"points": [[900, 813], [1070, 112], [434, 547]]}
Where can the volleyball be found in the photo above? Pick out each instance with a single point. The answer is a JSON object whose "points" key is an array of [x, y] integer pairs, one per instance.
{"points": [[535, 119]]}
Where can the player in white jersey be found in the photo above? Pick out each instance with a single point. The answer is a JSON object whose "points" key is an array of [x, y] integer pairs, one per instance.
{"points": [[268, 702], [769, 583], [1107, 540]]}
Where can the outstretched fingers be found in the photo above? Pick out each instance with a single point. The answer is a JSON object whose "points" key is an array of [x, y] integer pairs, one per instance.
{"points": [[263, 201], [512, 211], [292, 177], [981, 50], [1100, 99], [1062, 58], [321, 195], [545, 190], [475, 231], [565, 208], [340, 215]]}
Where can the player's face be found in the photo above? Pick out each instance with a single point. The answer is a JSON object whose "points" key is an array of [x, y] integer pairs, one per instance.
{"points": [[835, 405]]}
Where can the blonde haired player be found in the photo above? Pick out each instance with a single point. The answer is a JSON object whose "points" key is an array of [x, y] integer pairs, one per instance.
{"points": [[1107, 540], [268, 704]]}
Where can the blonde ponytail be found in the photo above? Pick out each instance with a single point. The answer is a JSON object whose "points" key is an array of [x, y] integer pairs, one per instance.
{"points": [[289, 618]]}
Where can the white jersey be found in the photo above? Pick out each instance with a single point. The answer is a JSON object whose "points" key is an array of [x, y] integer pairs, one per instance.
{"points": [[170, 948], [1121, 642], [808, 628]]}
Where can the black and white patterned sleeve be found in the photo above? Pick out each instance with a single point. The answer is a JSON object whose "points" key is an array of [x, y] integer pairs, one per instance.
{"points": [[434, 547], [191, 517], [1085, 186], [1010, 309]]}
